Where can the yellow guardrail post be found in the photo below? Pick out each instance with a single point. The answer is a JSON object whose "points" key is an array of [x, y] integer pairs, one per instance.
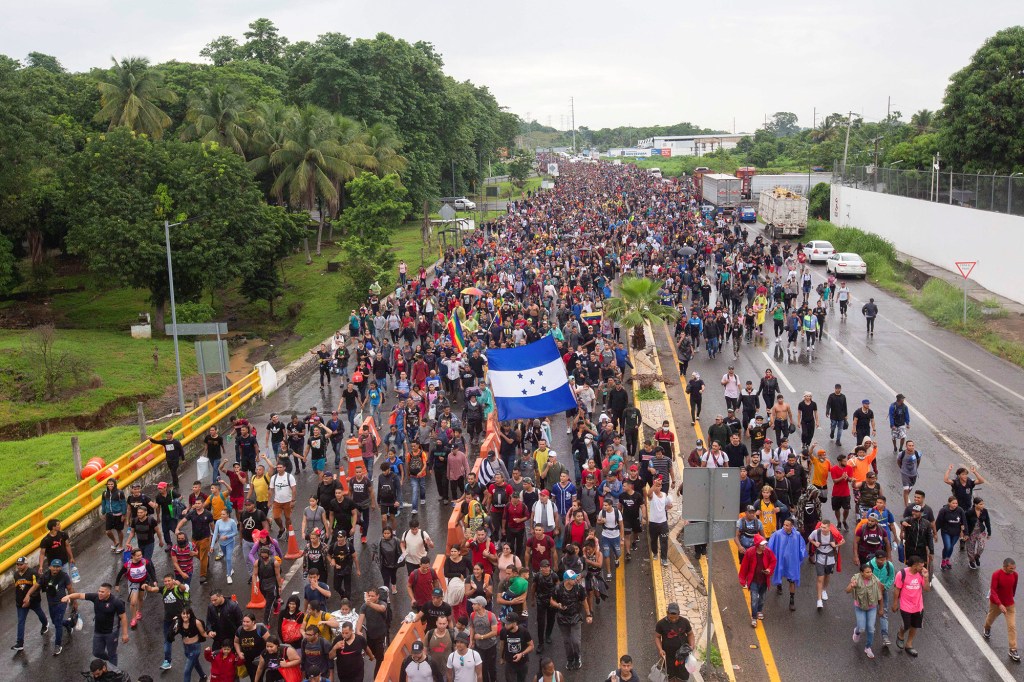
{"points": [[83, 497]]}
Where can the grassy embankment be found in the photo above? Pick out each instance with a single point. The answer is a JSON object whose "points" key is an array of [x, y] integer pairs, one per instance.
{"points": [[939, 300]]}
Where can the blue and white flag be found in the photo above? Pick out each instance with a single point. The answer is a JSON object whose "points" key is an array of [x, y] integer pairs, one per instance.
{"points": [[529, 381]]}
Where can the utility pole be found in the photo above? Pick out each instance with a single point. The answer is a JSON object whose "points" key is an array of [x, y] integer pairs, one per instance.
{"points": [[846, 146], [874, 170], [572, 113]]}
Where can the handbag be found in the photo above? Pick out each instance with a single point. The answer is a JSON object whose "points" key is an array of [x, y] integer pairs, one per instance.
{"points": [[846, 424], [657, 673], [291, 631], [792, 428]]}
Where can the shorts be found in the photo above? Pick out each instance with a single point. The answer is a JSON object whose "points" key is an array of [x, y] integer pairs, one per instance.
{"points": [[899, 432], [134, 587], [912, 620], [319, 464], [611, 546], [824, 569], [908, 481], [280, 507], [633, 525], [114, 522], [840, 503]]}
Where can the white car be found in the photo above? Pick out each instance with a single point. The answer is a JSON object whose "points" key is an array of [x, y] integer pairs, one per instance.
{"points": [[464, 204], [818, 251], [846, 264]]}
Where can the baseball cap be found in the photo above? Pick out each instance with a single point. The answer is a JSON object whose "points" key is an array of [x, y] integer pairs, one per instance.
{"points": [[700, 442], [479, 601], [634, 468], [673, 608], [544, 563], [161, 485], [464, 636], [417, 647], [821, 451], [865, 402], [21, 560], [750, 508], [915, 508], [512, 617], [438, 592], [545, 493], [731, 409], [759, 539], [900, 396], [568, 575], [57, 562]]}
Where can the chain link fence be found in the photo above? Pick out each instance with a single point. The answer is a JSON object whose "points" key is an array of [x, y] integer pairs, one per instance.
{"points": [[999, 193]]}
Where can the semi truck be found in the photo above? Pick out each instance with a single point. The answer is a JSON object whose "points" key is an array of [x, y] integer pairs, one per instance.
{"points": [[721, 191], [784, 213]]}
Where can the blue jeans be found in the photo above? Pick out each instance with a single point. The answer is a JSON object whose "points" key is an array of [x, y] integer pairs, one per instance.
{"points": [[611, 546], [866, 623], [147, 550], [948, 544], [105, 646], [713, 345], [214, 470], [419, 488], [228, 548], [192, 662], [275, 445], [57, 610], [757, 598], [883, 614], [23, 616], [167, 644], [351, 419], [837, 426]]}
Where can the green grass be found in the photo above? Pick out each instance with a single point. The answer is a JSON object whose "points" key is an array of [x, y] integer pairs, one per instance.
{"points": [[938, 300], [504, 188], [677, 165], [41, 468], [649, 394], [124, 366]]}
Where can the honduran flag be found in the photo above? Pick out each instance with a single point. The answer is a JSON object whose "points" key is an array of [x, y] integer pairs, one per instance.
{"points": [[455, 331], [529, 381]]}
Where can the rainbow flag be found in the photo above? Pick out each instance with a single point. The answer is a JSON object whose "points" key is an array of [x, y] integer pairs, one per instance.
{"points": [[455, 331], [496, 320], [591, 318]]}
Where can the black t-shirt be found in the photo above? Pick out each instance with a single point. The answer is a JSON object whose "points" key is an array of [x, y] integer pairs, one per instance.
{"points": [[136, 502], [477, 364], [276, 431], [23, 583], [55, 546], [200, 524], [214, 446], [864, 420], [55, 586], [433, 612], [572, 600], [251, 521], [673, 635], [107, 612], [145, 530], [349, 658], [807, 411], [631, 504], [251, 642], [342, 512], [376, 626], [351, 397], [513, 643]]}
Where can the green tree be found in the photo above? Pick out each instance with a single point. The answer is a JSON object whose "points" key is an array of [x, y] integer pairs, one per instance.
{"points": [[8, 265], [263, 42], [382, 148], [215, 115], [923, 120], [918, 152], [818, 201], [378, 208], [783, 124], [47, 62], [129, 94], [262, 282], [221, 50], [639, 301], [982, 126], [520, 166]]}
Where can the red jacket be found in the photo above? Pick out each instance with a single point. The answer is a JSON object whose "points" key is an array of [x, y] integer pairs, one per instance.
{"points": [[1004, 586], [222, 668], [747, 567]]}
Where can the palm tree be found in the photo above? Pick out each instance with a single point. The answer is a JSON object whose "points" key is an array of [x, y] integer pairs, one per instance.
{"points": [[638, 302], [268, 122], [309, 162], [383, 146], [216, 115], [923, 120], [355, 154], [129, 93]]}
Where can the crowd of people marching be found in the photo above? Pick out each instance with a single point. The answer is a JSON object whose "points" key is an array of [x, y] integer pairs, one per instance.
{"points": [[545, 531]]}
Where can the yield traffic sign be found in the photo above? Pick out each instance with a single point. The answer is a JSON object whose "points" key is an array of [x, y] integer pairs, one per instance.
{"points": [[965, 267]]}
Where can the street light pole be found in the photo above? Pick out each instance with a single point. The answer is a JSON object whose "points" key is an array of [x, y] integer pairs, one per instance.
{"points": [[174, 317]]}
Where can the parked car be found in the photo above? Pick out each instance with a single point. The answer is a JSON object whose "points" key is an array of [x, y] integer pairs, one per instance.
{"points": [[818, 251], [846, 264], [463, 204], [748, 214]]}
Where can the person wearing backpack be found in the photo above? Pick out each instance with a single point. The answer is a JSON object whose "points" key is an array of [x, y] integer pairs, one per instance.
{"points": [[417, 667], [416, 466], [389, 486], [113, 505], [909, 462]]}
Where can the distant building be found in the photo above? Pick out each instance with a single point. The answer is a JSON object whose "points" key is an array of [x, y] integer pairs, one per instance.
{"points": [[689, 145], [629, 152]]}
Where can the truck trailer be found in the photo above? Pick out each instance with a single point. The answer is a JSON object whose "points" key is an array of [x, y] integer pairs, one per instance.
{"points": [[721, 191], [784, 213]]}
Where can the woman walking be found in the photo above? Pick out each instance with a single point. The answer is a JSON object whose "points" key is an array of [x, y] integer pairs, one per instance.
{"points": [[979, 530], [951, 522], [225, 533], [193, 634], [867, 595]]}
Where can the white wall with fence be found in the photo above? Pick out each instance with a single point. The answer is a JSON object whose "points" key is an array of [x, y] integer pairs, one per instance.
{"points": [[941, 234]]}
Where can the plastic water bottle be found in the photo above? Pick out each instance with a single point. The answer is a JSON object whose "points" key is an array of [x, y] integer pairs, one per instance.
{"points": [[75, 575]]}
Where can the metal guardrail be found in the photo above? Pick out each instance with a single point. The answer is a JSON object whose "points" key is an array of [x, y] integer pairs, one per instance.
{"points": [[22, 537]]}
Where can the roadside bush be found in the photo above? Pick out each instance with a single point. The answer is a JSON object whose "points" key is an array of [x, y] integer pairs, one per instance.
{"points": [[194, 313]]}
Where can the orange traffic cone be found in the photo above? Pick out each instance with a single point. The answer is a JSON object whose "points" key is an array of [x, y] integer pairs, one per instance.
{"points": [[256, 600], [293, 546]]}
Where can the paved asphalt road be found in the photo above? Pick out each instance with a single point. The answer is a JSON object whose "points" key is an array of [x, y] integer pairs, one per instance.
{"points": [[967, 409], [143, 653]]}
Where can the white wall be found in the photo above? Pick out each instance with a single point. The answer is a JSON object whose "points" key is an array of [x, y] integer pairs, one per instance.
{"points": [[941, 234]]}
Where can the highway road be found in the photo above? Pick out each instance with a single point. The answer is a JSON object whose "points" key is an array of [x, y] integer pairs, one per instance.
{"points": [[967, 409], [604, 641]]}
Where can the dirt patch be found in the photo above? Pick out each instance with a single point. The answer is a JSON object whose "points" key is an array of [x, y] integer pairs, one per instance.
{"points": [[104, 417], [1010, 327], [28, 315]]}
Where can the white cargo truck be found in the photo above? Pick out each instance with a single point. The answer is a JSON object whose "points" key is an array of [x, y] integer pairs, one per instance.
{"points": [[784, 213], [721, 190]]}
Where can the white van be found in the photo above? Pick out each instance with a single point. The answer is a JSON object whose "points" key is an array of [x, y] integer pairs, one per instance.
{"points": [[656, 172]]}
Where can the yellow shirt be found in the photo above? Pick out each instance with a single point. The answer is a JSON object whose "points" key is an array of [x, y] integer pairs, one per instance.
{"points": [[819, 471], [542, 459], [261, 487], [768, 518]]}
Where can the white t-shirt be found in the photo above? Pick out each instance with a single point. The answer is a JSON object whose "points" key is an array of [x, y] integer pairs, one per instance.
{"points": [[464, 665], [282, 485], [656, 508]]}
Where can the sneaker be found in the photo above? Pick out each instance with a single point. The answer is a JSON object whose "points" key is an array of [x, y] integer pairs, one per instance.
{"points": [[856, 635], [218, 556], [760, 615], [229, 580], [135, 622], [423, 502], [57, 649], [824, 595], [987, 634], [44, 629], [18, 647], [607, 576], [792, 603], [868, 652], [885, 642], [753, 623], [778, 589], [166, 665], [664, 562], [820, 605], [525, 614], [1014, 656], [364, 539]]}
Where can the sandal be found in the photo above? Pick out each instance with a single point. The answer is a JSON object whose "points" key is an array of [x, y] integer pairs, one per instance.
{"points": [[911, 651], [899, 642]]}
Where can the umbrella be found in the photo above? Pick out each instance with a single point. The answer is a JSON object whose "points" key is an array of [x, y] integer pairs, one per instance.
{"points": [[687, 251], [473, 291]]}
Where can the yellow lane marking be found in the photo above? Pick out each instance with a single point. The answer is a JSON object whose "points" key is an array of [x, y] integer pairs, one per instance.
{"points": [[762, 636]]}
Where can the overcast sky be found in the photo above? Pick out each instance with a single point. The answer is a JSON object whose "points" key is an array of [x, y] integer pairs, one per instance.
{"points": [[641, 63]]}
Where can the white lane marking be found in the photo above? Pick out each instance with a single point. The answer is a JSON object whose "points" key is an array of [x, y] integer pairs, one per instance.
{"points": [[972, 632], [778, 372]]}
